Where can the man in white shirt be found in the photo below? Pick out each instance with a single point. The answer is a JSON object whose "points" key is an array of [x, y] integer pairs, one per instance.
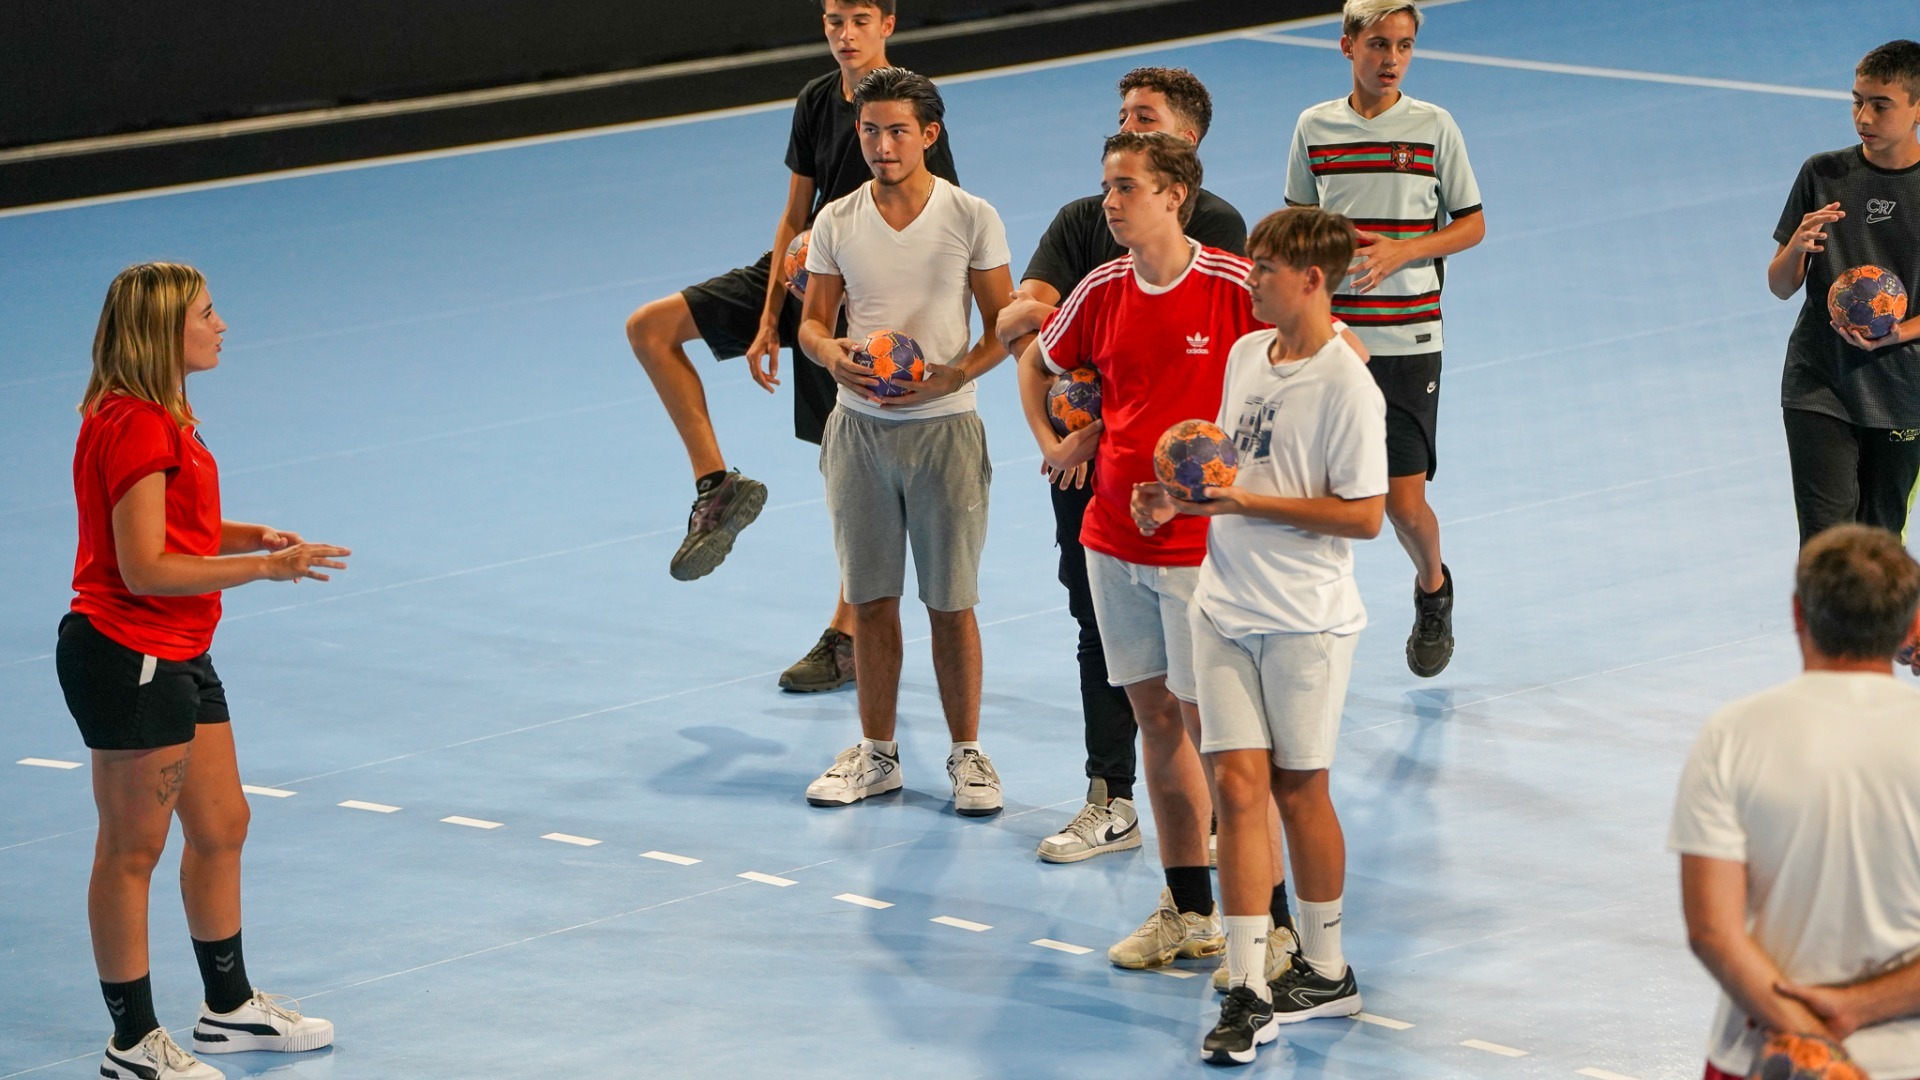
{"points": [[1799, 863], [908, 252]]}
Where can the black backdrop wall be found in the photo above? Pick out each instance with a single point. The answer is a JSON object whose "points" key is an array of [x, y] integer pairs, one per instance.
{"points": [[77, 69]]}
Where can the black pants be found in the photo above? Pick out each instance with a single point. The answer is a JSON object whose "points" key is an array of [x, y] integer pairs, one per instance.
{"points": [[1845, 473], [1111, 731]]}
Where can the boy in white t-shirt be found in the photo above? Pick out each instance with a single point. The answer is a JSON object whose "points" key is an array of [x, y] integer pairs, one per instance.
{"points": [[1799, 867], [1275, 615], [908, 252]]}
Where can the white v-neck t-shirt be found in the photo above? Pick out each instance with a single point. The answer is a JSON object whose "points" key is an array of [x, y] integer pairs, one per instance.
{"points": [[913, 280]]}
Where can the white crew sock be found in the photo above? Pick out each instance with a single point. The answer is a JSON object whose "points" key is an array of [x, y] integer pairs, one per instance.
{"points": [[1247, 953], [884, 746], [1319, 925], [959, 746]]}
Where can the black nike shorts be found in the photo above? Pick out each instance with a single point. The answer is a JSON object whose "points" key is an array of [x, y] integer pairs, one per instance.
{"points": [[1411, 385]]}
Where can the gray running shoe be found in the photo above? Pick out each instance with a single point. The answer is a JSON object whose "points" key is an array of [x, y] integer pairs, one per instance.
{"points": [[1102, 825], [718, 516], [827, 666], [1430, 645]]}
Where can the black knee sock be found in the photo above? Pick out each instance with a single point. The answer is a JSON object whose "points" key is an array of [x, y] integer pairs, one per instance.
{"points": [[131, 1006], [709, 482], [223, 971], [1192, 889], [1281, 916]]}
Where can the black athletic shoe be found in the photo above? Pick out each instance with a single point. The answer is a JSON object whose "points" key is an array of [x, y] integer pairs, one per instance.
{"points": [[718, 516], [1430, 645], [827, 666], [1246, 1024], [1301, 993]]}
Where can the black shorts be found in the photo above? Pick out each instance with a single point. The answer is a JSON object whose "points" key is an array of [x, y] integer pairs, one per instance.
{"points": [[726, 310], [118, 709], [1411, 385]]}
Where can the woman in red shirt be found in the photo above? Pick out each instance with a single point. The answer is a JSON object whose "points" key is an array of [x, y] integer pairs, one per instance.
{"points": [[154, 554]]}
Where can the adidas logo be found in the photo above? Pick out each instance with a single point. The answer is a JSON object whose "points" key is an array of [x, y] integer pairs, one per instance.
{"points": [[1197, 344]]}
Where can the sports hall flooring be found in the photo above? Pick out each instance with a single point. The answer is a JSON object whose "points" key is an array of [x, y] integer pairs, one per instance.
{"points": [[426, 364]]}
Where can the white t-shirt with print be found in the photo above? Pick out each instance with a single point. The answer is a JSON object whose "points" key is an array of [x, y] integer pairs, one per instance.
{"points": [[913, 280], [1304, 429], [1815, 786]]}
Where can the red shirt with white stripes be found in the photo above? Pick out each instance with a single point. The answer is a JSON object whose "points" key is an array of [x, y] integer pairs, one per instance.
{"points": [[1161, 352]]}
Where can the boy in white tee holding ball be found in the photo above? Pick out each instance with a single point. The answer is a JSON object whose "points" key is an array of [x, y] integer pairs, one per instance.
{"points": [[909, 252], [1275, 616]]}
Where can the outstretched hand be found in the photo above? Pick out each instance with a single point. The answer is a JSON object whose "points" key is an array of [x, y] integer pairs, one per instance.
{"points": [[300, 560]]}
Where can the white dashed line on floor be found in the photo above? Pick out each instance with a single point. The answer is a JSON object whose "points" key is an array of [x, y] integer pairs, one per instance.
{"points": [[48, 763], [1175, 973], [1603, 1074], [1061, 946], [1381, 1021], [1493, 1048], [268, 792], [768, 879], [569, 838], [378, 808], [863, 901], [960, 924], [667, 856], [471, 823]]}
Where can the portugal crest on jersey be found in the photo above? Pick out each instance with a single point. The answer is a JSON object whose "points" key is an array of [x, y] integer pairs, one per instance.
{"points": [[1402, 157]]}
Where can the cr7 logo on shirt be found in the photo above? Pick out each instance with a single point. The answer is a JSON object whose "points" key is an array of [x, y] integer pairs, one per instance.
{"points": [[1879, 210]]}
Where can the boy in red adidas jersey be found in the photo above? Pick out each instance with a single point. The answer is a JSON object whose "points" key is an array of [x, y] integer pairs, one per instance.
{"points": [[154, 553], [1156, 323]]}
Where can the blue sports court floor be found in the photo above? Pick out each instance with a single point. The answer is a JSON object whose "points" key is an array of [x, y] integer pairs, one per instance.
{"points": [[426, 364]]}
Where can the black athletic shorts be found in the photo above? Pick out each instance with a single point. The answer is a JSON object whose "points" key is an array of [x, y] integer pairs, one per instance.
{"points": [[124, 700], [726, 310], [1411, 385]]}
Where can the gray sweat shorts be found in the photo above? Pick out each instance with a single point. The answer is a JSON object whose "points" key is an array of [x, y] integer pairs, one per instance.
{"points": [[895, 483]]}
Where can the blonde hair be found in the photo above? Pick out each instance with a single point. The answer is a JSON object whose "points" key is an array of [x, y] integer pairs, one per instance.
{"points": [[138, 349], [1358, 15]]}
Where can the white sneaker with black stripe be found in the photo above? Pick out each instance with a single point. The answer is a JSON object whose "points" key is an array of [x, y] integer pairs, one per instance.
{"points": [[976, 786], [263, 1022], [858, 772], [156, 1057]]}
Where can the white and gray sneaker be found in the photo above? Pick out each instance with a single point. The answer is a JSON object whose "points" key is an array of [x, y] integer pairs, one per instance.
{"points": [[263, 1022], [858, 772], [1101, 826], [156, 1057], [976, 787], [1169, 933]]}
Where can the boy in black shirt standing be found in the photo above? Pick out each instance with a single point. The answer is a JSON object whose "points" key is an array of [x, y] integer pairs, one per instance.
{"points": [[748, 312], [1852, 404], [1151, 99]]}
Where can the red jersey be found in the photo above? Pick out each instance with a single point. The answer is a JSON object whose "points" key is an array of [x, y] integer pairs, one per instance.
{"points": [[124, 440], [1162, 357]]}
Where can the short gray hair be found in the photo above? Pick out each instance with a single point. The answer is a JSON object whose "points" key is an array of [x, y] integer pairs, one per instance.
{"points": [[1360, 14]]}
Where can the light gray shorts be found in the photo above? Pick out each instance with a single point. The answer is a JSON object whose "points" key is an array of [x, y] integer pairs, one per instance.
{"points": [[891, 483], [1142, 612], [1277, 692]]}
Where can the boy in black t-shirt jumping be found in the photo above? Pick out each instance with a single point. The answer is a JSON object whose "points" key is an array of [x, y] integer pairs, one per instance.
{"points": [[1852, 404], [748, 312]]}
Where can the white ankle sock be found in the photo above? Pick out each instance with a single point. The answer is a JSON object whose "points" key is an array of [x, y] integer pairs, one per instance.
{"points": [[1319, 925], [1247, 953], [959, 746], [884, 746]]}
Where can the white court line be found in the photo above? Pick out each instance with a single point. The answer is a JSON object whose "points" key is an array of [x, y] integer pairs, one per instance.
{"points": [[1176, 973], [1381, 1021], [669, 857], [568, 838], [1578, 69], [269, 792], [961, 924], [48, 763], [471, 823], [767, 879], [863, 901], [378, 808], [1603, 1074], [1061, 946], [1492, 1048]]}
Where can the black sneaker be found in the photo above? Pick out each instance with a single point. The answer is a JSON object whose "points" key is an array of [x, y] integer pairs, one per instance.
{"points": [[718, 516], [1301, 993], [1246, 1024], [827, 666], [1430, 645]]}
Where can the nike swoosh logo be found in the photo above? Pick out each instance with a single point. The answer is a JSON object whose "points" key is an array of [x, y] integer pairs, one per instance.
{"points": [[1110, 834]]}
